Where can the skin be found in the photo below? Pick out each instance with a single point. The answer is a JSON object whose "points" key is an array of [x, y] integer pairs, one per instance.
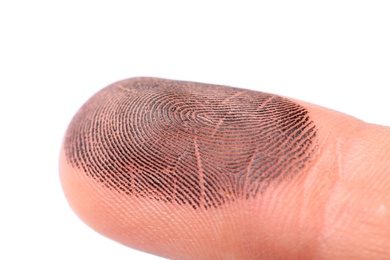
{"points": [[336, 208]]}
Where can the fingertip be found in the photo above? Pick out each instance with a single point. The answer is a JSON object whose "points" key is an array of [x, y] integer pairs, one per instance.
{"points": [[190, 170]]}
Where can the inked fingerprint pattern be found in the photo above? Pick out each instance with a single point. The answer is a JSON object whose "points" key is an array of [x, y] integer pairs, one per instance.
{"points": [[189, 143]]}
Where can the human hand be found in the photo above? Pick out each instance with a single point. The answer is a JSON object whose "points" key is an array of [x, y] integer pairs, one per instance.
{"points": [[190, 171]]}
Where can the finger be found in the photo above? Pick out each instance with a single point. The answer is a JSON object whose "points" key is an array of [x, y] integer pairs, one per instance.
{"points": [[195, 171]]}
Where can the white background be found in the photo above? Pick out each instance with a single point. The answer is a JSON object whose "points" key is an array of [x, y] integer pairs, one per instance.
{"points": [[56, 54]]}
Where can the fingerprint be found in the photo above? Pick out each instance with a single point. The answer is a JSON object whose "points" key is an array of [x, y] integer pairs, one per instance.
{"points": [[189, 143]]}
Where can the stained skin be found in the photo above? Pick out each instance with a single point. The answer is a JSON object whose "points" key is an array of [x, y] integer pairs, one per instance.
{"points": [[189, 143], [325, 208]]}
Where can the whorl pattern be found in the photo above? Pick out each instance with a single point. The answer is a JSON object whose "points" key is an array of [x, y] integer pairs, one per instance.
{"points": [[189, 143]]}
